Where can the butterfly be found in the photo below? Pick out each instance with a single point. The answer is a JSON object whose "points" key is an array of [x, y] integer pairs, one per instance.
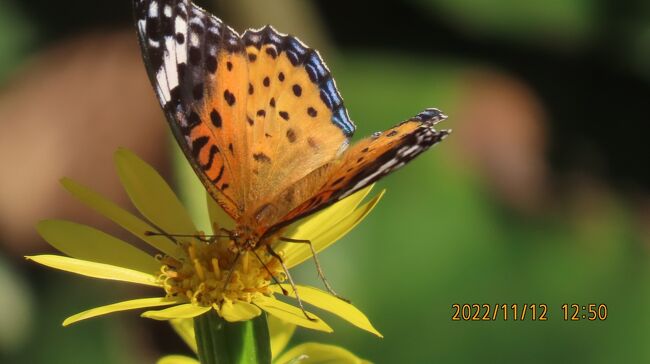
{"points": [[261, 121]]}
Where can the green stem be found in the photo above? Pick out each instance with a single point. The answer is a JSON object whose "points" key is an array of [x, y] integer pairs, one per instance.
{"points": [[223, 342]]}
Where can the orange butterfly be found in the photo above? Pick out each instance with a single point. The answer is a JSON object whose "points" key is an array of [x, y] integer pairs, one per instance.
{"points": [[261, 121]]}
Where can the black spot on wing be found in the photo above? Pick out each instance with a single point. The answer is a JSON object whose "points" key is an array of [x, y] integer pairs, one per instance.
{"points": [[213, 151], [261, 157], [215, 117], [297, 90], [229, 97], [197, 145], [291, 135]]}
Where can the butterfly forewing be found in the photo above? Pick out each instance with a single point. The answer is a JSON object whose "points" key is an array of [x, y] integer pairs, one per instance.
{"points": [[253, 114], [187, 52]]}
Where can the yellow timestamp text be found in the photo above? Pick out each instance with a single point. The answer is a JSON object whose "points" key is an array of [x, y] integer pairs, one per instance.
{"points": [[505, 312], [589, 312], [526, 312]]}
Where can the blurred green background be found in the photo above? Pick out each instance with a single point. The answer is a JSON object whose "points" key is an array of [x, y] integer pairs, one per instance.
{"points": [[541, 194]]}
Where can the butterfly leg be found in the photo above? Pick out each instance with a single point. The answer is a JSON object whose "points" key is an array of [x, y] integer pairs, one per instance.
{"points": [[321, 275], [293, 285], [232, 269], [284, 291]]}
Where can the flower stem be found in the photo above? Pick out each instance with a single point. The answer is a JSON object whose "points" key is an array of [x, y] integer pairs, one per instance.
{"points": [[223, 342]]}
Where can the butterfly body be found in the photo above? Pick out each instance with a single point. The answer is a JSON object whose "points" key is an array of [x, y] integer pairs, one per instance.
{"points": [[261, 121]]}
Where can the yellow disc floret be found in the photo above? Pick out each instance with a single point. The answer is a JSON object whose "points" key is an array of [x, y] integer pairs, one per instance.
{"points": [[215, 271]]}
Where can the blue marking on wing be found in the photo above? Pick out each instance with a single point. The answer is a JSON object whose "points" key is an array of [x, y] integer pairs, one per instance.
{"points": [[274, 37], [330, 89], [319, 74], [295, 51], [326, 99], [315, 65], [342, 119]]}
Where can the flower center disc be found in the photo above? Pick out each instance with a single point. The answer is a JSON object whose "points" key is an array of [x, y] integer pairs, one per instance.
{"points": [[202, 274]]}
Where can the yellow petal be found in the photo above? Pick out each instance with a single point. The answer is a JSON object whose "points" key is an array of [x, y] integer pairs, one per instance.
{"points": [[95, 270], [317, 353], [280, 332], [187, 310], [296, 253], [121, 306], [234, 311], [128, 221], [190, 190], [329, 217], [151, 195], [185, 329], [327, 302], [292, 314], [177, 359], [86, 243], [218, 215]]}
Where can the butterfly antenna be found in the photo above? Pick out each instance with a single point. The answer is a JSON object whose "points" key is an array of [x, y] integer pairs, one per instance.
{"points": [[161, 233], [321, 275], [284, 291], [203, 238], [293, 285]]}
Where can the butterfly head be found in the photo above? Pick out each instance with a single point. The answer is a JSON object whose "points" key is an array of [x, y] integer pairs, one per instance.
{"points": [[244, 237]]}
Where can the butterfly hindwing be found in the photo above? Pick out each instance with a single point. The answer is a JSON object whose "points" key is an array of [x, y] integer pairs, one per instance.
{"points": [[369, 160], [300, 122]]}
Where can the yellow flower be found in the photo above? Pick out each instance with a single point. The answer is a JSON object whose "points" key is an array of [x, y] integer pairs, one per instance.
{"points": [[193, 271], [280, 333]]}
